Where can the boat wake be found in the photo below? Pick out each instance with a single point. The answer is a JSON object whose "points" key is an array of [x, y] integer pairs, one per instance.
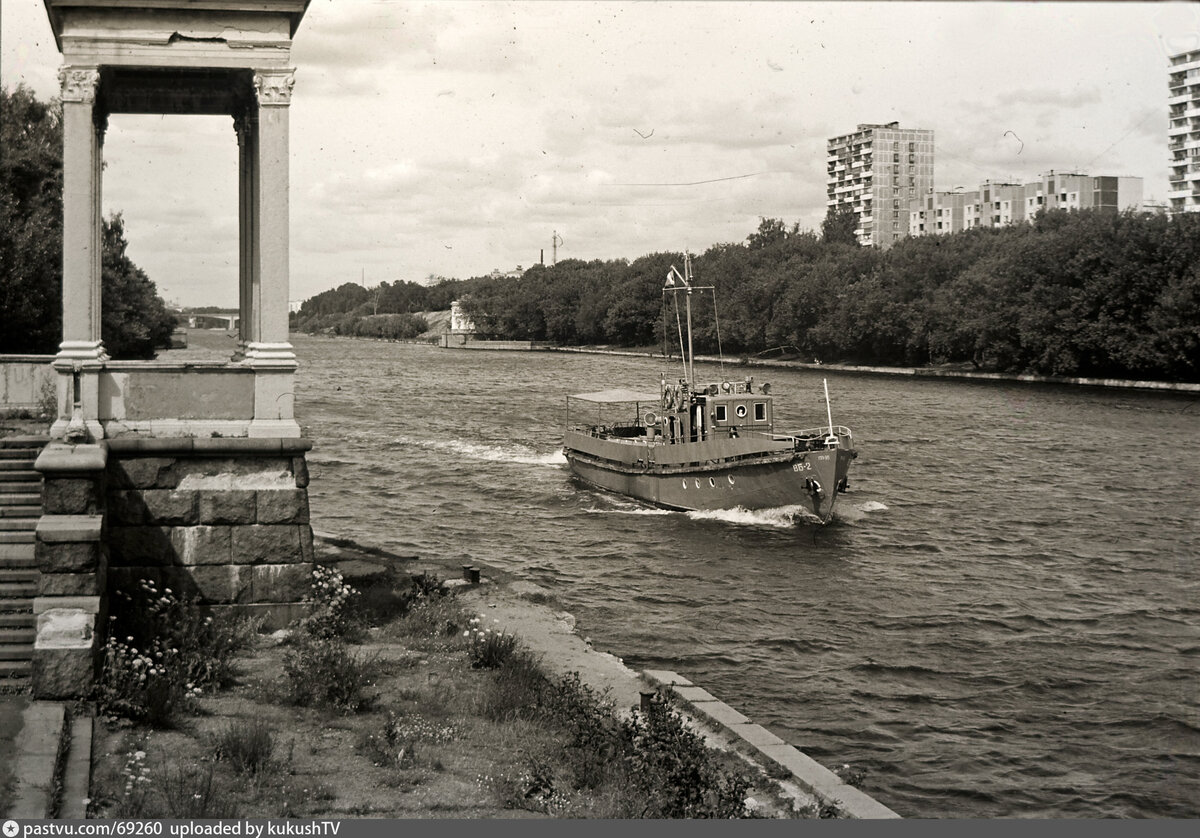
{"points": [[780, 517], [853, 512], [489, 453]]}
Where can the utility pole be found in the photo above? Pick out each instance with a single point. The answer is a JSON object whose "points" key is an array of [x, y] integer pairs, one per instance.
{"points": [[556, 241]]}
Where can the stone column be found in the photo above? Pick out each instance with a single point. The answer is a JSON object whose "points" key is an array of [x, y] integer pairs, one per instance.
{"points": [[268, 348], [273, 89], [81, 348], [245, 125]]}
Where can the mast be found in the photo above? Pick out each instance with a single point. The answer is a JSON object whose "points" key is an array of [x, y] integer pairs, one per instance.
{"points": [[689, 360], [687, 270]]}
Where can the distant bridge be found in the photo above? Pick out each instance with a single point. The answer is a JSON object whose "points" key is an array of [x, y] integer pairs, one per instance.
{"points": [[217, 320]]}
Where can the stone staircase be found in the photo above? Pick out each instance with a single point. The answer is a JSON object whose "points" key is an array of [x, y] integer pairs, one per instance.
{"points": [[20, 509]]}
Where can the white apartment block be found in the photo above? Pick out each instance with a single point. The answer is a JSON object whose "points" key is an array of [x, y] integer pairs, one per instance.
{"points": [[1183, 132], [878, 171], [1001, 204]]}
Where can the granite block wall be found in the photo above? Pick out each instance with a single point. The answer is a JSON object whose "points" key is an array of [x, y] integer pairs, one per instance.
{"points": [[233, 530]]}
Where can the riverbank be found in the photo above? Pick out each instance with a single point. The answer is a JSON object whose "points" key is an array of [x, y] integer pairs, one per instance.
{"points": [[421, 741], [943, 373]]}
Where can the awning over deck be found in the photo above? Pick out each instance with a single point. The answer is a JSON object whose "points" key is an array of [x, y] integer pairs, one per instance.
{"points": [[616, 396]]}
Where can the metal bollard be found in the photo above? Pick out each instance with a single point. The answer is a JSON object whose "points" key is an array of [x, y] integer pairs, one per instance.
{"points": [[471, 574], [647, 698]]}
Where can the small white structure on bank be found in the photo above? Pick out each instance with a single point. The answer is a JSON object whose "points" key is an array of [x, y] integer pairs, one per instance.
{"points": [[460, 323]]}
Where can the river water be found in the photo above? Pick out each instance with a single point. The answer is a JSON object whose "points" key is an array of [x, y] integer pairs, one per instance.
{"points": [[1002, 621]]}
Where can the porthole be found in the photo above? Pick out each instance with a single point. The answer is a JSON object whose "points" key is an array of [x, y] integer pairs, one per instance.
{"points": [[697, 482], [740, 410], [712, 483], [729, 477], [685, 485]]}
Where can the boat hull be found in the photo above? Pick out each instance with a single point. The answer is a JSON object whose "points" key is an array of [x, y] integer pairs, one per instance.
{"points": [[808, 479]]}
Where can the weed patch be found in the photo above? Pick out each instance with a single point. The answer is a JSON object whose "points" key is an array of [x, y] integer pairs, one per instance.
{"points": [[323, 672], [163, 651], [246, 745]]}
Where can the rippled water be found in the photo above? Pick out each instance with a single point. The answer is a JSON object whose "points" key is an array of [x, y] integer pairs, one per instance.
{"points": [[1002, 620]]}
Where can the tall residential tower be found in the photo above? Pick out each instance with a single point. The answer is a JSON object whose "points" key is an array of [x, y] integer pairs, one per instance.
{"points": [[1183, 132], [877, 171]]}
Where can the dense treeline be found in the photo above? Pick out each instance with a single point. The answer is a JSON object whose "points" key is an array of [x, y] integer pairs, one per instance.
{"points": [[134, 319], [385, 311], [1074, 293]]}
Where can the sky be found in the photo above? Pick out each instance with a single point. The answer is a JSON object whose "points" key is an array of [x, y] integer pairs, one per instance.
{"points": [[455, 138]]}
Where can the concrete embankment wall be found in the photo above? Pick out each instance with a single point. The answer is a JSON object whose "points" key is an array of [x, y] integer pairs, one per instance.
{"points": [[916, 372]]}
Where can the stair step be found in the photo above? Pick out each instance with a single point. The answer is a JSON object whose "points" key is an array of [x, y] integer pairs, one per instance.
{"points": [[18, 576], [18, 619], [16, 605], [24, 441], [13, 671], [27, 536], [19, 487], [17, 636], [20, 498], [23, 511], [13, 475], [18, 464], [18, 455], [22, 550], [18, 564], [16, 651], [15, 592], [28, 523]]}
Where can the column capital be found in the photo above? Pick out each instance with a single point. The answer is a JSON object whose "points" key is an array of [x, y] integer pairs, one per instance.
{"points": [[274, 87], [78, 84]]}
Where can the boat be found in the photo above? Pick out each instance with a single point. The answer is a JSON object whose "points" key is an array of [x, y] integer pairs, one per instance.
{"points": [[708, 445]]}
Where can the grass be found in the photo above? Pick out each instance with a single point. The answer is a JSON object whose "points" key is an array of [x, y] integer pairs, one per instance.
{"points": [[414, 728]]}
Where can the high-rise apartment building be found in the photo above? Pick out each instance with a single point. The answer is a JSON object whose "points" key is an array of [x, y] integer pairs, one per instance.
{"points": [[1001, 204], [1183, 132], [878, 171]]}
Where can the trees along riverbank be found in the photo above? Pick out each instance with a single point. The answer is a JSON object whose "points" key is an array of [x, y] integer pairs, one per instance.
{"points": [[134, 319], [1074, 293]]}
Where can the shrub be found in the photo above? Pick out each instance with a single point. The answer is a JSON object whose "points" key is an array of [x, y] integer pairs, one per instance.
{"points": [[594, 734], [488, 647], [517, 689], [437, 617], [246, 745], [676, 771], [331, 598], [535, 789], [323, 672], [143, 686], [172, 649], [428, 586]]}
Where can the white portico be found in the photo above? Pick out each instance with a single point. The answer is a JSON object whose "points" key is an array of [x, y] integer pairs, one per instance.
{"points": [[170, 57]]}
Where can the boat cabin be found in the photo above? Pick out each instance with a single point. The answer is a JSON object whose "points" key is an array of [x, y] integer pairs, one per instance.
{"points": [[715, 410]]}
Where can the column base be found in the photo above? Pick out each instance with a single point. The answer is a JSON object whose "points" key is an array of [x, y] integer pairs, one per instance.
{"points": [[84, 351], [274, 428], [269, 354]]}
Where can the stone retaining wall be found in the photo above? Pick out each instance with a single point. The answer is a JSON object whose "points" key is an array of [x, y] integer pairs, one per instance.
{"points": [[233, 530]]}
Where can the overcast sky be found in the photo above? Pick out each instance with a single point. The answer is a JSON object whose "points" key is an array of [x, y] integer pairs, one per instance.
{"points": [[453, 138]]}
